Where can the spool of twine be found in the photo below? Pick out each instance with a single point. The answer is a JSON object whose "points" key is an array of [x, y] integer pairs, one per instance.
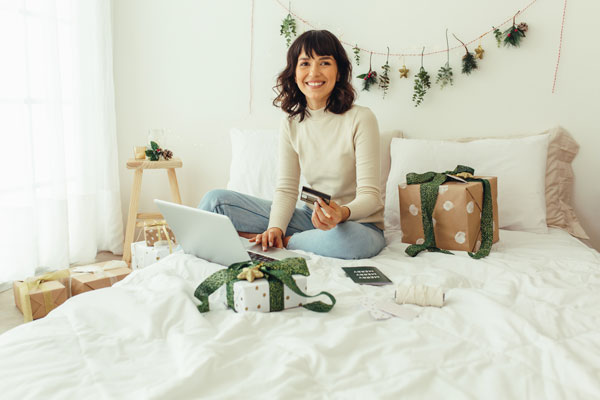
{"points": [[420, 295]]}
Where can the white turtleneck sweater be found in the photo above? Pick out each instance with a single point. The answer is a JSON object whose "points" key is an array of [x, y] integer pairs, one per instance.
{"points": [[338, 155]]}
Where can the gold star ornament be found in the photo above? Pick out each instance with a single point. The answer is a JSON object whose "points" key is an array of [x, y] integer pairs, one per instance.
{"points": [[250, 274], [403, 72], [479, 52]]}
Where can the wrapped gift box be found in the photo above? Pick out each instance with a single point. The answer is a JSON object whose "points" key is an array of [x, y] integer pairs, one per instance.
{"points": [[143, 255], [254, 296], [42, 299], [155, 233], [456, 216], [84, 282]]}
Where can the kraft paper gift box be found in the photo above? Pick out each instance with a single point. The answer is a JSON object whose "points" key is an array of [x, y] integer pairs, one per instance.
{"points": [[157, 232], [143, 255], [84, 282], [254, 296], [37, 300], [456, 216]]}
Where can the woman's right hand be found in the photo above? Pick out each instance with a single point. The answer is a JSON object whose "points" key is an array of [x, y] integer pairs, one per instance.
{"points": [[272, 237]]}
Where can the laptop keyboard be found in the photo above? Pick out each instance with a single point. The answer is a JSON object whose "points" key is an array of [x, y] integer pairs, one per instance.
{"points": [[259, 257]]}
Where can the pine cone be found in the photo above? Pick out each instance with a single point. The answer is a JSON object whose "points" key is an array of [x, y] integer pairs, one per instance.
{"points": [[167, 154], [522, 27]]}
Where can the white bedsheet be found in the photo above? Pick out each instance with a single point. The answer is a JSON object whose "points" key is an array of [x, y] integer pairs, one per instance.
{"points": [[521, 323]]}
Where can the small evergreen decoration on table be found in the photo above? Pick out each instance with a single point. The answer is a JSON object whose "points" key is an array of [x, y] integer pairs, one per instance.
{"points": [[515, 33], [288, 27], [370, 77], [356, 54], [469, 63], [422, 83], [498, 36], [384, 79], [444, 76], [155, 152]]}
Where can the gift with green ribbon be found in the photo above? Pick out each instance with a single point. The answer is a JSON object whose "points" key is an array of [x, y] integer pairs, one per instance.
{"points": [[277, 273], [429, 190]]}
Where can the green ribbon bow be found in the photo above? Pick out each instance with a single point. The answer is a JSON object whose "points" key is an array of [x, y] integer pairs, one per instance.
{"points": [[430, 183], [278, 273]]}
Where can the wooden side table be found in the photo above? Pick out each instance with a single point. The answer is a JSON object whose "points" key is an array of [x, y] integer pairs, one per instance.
{"points": [[139, 166]]}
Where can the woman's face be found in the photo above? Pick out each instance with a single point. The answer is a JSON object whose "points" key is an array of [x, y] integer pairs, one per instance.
{"points": [[316, 77]]}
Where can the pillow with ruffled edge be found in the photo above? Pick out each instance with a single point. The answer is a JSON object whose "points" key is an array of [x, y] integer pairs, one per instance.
{"points": [[562, 149]]}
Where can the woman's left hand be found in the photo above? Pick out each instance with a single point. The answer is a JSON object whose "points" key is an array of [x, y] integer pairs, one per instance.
{"points": [[326, 217]]}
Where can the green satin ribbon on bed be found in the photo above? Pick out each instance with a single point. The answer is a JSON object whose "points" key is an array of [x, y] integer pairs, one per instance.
{"points": [[278, 273], [430, 183]]}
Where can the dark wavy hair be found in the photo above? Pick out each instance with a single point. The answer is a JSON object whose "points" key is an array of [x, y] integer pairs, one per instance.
{"points": [[319, 43]]}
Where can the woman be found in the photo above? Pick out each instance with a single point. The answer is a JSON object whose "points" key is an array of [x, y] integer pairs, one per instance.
{"points": [[335, 145]]}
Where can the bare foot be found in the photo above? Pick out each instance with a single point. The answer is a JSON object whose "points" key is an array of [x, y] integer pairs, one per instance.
{"points": [[247, 235]]}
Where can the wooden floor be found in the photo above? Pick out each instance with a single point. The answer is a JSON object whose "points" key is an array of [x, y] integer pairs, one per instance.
{"points": [[10, 316]]}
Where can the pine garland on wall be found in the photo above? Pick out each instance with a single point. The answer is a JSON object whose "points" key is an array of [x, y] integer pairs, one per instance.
{"points": [[511, 37]]}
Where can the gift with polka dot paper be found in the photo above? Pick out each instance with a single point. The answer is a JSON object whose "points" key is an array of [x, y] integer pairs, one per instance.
{"points": [[143, 255], [456, 215], [263, 287], [254, 296], [157, 232]]}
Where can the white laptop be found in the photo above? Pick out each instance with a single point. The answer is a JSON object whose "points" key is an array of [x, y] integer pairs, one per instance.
{"points": [[213, 237]]}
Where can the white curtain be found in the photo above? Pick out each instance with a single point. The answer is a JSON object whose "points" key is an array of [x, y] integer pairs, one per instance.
{"points": [[59, 189]]}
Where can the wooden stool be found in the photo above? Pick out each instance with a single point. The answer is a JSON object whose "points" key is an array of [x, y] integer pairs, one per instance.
{"points": [[133, 216]]}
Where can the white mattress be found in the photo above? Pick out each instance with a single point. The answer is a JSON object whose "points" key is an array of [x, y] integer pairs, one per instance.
{"points": [[521, 323]]}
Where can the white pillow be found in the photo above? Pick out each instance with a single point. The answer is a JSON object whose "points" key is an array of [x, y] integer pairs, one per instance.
{"points": [[519, 164], [254, 155], [254, 161]]}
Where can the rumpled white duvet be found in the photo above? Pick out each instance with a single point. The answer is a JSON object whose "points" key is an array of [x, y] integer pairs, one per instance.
{"points": [[523, 323]]}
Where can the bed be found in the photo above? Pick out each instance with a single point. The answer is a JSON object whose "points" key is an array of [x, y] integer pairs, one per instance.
{"points": [[523, 322]]}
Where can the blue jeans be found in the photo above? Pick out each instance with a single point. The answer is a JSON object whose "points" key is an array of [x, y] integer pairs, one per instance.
{"points": [[348, 240]]}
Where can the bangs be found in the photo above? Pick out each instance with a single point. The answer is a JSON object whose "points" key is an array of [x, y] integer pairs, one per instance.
{"points": [[319, 43]]}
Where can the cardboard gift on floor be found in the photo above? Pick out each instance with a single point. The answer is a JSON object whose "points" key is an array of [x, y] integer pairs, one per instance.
{"points": [[143, 255], [158, 233], [36, 297], [97, 276], [456, 216]]}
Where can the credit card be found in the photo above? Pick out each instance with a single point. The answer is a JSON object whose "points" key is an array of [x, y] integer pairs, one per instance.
{"points": [[309, 195]]}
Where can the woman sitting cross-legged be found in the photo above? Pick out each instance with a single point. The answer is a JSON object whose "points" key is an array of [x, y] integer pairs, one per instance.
{"points": [[335, 144]]}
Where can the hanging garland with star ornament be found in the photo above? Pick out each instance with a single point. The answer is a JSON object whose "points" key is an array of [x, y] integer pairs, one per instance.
{"points": [[511, 37]]}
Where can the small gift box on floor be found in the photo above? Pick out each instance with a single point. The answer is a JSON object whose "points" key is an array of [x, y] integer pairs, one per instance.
{"points": [[282, 287], [36, 297], [158, 233], [143, 255], [97, 276], [457, 213]]}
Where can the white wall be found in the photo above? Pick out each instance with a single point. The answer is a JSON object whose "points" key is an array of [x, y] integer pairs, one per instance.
{"points": [[184, 65]]}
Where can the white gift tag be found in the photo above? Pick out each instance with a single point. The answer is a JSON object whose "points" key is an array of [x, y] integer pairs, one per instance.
{"points": [[369, 305], [397, 310]]}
